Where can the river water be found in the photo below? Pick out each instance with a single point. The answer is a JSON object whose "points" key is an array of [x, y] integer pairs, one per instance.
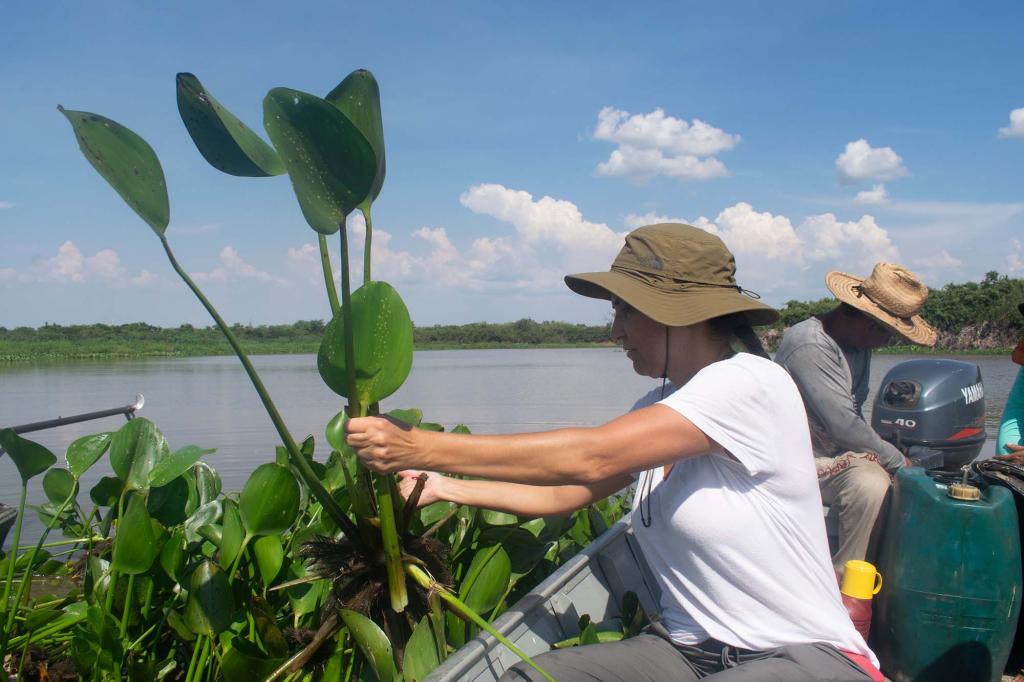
{"points": [[209, 401]]}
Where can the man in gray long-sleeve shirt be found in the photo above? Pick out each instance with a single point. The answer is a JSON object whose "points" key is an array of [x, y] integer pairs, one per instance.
{"points": [[829, 359]]}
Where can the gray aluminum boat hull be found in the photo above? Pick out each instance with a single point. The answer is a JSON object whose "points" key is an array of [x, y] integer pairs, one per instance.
{"points": [[592, 582]]}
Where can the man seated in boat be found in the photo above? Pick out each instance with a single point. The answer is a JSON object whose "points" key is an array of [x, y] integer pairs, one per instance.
{"points": [[829, 358]]}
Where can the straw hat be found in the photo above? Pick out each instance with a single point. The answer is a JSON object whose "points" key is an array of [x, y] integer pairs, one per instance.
{"points": [[674, 274], [892, 295]]}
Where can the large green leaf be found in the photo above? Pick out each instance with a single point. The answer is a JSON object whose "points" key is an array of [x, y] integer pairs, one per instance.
{"points": [[331, 164], [135, 450], [420, 653], [486, 579], [59, 485], [85, 451], [524, 549], [269, 557], [135, 545], [497, 518], [168, 504], [175, 465], [269, 501], [106, 491], [358, 97], [382, 335], [412, 416], [335, 431], [232, 534], [172, 555], [127, 162], [373, 643], [30, 457], [223, 140], [304, 597], [244, 662], [211, 603], [207, 482], [205, 515]]}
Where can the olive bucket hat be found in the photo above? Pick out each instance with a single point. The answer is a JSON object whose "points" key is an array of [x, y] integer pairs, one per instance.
{"points": [[675, 274]]}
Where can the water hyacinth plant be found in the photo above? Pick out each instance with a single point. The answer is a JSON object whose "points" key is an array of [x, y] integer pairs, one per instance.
{"points": [[316, 569]]}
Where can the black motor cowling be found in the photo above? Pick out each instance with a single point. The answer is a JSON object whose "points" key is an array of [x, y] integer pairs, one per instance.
{"points": [[933, 406]]}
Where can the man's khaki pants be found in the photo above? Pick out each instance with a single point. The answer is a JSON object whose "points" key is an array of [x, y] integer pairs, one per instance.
{"points": [[855, 485]]}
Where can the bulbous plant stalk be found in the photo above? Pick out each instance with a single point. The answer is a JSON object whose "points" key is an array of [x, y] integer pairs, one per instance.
{"points": [[423, 579], [316, 488], [382, 487]]}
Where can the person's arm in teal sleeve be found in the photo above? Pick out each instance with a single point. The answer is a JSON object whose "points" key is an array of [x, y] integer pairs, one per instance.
{"points": [[1013, 416]]}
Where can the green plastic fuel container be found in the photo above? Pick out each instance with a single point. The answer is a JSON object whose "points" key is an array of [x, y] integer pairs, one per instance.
{"points": [[950, 556]]}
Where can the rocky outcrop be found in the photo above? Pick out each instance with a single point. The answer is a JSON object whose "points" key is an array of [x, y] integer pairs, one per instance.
{"points": [[984, 336]]}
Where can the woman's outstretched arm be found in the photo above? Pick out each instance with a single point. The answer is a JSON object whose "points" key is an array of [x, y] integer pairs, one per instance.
{"points": [[643, 439], [513, 498]]}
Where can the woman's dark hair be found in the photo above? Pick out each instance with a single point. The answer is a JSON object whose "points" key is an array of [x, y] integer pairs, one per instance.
{"points": [[738, 325]]}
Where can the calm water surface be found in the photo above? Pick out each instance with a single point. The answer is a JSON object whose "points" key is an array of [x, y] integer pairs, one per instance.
{"points": [[209, 401]]}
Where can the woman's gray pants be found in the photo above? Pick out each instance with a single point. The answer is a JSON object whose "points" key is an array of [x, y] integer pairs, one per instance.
{"points": [[652, 658]]}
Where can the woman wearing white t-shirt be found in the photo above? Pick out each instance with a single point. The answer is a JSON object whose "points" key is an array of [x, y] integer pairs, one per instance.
{"points": [[727, 509]]}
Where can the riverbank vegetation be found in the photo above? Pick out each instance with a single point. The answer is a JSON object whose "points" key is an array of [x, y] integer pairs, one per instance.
{"points": [[971, 317], [98, 341]]}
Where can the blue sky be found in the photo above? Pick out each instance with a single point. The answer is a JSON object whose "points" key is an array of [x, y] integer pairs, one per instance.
{"points": [[523, 139]]}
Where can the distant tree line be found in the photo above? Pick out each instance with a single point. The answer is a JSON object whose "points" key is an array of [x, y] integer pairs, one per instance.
{"points": [[521, 332], [971, 315]]}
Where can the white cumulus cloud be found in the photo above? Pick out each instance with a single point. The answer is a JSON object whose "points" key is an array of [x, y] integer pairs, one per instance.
{"points": [[862, 241], [6, 204], [656, 144], [1015, 259], [635, 220], [940, 261], [232, 267], [773, 239], [745, 230], [1016, 127], [70, 266], [545, 221], [876, 195], [860, 162]]}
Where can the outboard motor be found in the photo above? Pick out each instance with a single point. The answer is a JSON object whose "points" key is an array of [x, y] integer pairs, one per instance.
{"points": [[937, 406]]}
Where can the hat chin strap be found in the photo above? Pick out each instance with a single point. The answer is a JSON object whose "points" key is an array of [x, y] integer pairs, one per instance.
{"points": [[664, 371]]}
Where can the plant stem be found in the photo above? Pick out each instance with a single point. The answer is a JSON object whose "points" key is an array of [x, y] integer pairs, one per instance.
{"points": [[207, 644], [27, 579], [127, 606], [108, 600], [296, 662], [21, 663], [319, 492], [325, 263], [369, 239], [440, 522], [12, 558], [238, 558], [200, 642], [346, 310], [392, 548], [423, 579]]}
